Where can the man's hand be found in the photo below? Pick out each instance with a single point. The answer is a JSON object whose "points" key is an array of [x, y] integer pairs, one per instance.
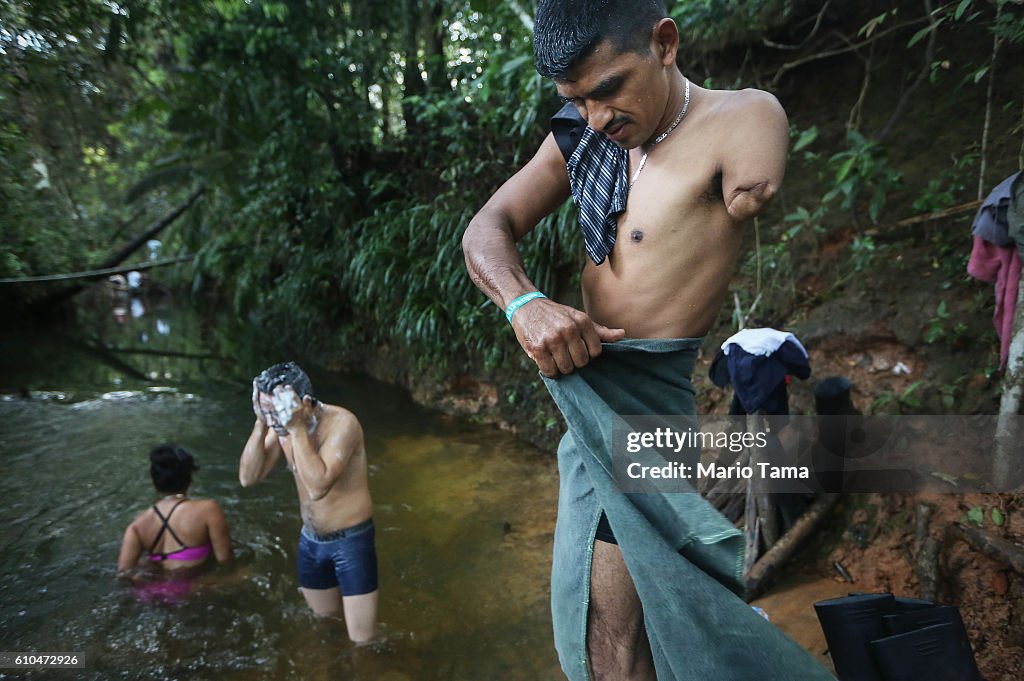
{"points": [[256, 404], [560, 339], [291, 412]]}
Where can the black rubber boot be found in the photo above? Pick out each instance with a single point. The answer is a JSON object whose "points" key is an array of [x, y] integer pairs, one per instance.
{"points": [[832, 397], [832, 401], [958, 655], [907, 605], [935, 653], [849, 624]]}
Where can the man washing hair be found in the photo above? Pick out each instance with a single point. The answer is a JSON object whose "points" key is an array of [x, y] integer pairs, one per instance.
{"points": [[323, 447], [665, 175]]}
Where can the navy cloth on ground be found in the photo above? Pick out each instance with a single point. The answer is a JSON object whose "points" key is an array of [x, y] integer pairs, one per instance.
{"points": [[756, 362]]}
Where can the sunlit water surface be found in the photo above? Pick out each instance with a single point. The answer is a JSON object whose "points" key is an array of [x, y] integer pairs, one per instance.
{"points": [[464, 518]]}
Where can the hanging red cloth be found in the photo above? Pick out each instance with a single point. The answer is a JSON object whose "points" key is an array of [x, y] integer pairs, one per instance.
{"points": [[999, 265]]}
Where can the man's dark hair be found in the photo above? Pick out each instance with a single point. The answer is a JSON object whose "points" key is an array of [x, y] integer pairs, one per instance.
{"points": [[567, 31], [171, 468], [287, 373]]}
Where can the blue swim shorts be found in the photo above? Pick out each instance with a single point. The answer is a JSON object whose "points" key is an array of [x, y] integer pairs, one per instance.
{"points": [[346, 559]]}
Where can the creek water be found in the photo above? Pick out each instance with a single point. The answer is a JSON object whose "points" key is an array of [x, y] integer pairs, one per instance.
{"points": [[464, 516]]}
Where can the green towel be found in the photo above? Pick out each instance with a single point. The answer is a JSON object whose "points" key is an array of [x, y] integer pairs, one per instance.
{"points": [[684, 557]]}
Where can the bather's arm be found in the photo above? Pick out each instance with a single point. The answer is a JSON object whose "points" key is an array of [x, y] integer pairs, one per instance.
{"points": [[319, 470], [261, 452], [558, 338], [131, 549]]}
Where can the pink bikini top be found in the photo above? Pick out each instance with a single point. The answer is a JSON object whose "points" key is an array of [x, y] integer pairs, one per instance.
{"points": [[185, 552]]}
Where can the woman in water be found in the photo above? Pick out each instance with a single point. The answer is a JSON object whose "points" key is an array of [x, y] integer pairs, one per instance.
{"points": [[176, 532]]}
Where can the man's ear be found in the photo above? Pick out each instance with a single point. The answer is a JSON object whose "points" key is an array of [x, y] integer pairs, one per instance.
{"points": [[665, 41]]}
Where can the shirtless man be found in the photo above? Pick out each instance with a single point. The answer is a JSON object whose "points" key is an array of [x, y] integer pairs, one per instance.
{"points": [[323, 447], [701, 164]]}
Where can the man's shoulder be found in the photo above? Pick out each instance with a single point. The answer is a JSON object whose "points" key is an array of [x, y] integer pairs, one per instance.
{"points": [[748, 103], [340, 418]]}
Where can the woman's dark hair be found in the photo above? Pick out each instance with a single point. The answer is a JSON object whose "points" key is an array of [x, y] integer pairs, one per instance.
{"points": [[171, 467]]}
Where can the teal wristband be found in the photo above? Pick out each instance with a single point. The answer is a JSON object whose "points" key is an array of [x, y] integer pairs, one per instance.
{"points": [[519, 302]]}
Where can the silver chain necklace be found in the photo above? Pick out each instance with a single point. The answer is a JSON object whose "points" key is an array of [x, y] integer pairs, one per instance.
{"points": [[660, 138]]}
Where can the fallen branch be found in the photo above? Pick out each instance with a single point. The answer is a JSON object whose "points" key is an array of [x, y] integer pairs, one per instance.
{"points": [[768, 516], [121, 255], [927, 555], [764, 501], [758, 577], [752, 529], [968, 207], [996, 548], [97, 274], [152, 230], [165, 353], [105, 356]]}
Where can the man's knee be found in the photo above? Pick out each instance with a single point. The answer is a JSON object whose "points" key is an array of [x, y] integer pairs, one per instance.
{"points": [[617, 644], [361, 617], [323, 602]]}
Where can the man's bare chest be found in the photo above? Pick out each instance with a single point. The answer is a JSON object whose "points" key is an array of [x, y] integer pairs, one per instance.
{"points": [[673, 206], [288, 449]]}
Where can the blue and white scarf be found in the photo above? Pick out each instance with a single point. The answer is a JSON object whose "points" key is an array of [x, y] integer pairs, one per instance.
{"points": [[599, 180]]}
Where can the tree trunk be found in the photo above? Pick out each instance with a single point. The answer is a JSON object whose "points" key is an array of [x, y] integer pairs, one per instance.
{"points": [[434, 56], [412, 80], [1007, 428]]}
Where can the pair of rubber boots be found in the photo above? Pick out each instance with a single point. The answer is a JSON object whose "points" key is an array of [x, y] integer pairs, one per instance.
{"points": [[878, 637]]}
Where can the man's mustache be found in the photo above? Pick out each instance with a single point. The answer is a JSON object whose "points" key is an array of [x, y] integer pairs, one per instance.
{"points": [[616, 123]]}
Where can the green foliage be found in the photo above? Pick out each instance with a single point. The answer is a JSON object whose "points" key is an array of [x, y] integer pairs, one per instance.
{"points": [[937, 325], [713, 24], [949, 188], [975, 515], [903, 402], [941, 328], [804, 138], [1009, 25], [862, 169], [869, 28], [345, 147], [863, 249]]}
